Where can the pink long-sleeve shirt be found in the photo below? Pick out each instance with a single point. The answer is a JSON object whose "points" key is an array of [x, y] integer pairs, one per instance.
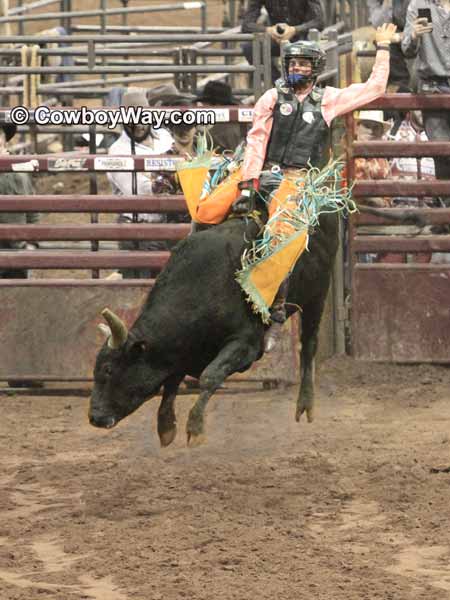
{"points": [[335, 102]]}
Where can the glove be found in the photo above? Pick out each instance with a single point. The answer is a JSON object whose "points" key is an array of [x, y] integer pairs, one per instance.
{"points": [[246, 202], [384, 35]]}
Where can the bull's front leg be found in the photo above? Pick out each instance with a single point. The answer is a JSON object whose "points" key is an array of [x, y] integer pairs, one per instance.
{"points": [[311, 315], [236, 355], [167, 423]]}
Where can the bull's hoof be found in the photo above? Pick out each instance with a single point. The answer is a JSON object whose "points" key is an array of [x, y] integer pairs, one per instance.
{"points": [[167, 437], [194, 428], [195, 440], [306, 406]]}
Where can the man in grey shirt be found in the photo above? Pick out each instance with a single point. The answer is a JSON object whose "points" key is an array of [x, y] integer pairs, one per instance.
{"points": [[392, 11], [430, 42]]}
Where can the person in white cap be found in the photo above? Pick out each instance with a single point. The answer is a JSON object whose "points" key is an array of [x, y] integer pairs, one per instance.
{"points": [[138, 139], [371, 126]]}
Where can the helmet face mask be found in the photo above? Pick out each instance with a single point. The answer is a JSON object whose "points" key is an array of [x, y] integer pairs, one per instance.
{"points": [[307, 50]]}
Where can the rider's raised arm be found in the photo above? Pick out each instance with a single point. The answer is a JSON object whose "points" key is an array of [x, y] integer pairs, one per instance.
{"points": [[338, 102]]}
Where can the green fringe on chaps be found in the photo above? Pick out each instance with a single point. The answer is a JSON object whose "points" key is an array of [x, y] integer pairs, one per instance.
{"points": [[319, 192]]}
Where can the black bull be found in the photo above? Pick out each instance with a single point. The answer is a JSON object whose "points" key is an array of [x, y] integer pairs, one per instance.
{"points": [[197, 322]]}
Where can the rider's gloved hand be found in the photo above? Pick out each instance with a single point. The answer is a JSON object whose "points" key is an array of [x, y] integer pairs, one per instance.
{"points": [[246, 202]]}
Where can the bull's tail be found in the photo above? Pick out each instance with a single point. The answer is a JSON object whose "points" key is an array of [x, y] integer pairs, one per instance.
{"points": [[403, 216]]}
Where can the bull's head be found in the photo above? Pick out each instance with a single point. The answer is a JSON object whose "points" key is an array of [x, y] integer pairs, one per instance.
{"points": [[125, 375]]}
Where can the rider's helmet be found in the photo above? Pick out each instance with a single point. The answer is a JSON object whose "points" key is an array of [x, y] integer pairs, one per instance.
{"points": [[302, 49]]}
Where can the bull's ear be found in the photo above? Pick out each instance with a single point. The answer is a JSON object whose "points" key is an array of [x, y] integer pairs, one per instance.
{"points": [[138, 348]]}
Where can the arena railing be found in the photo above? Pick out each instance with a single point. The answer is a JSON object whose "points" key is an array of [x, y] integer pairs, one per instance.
{"points": [[93, 53], [353, 14], [408, 299], [127, 74], [49, 329], [22, 13], [72, 162]]}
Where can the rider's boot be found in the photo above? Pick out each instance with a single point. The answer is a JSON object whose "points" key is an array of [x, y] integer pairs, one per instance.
{"points": [[246, 203], [278, 316]]}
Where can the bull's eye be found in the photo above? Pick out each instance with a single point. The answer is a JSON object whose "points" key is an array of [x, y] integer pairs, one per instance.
{"points": [[107, 370]]}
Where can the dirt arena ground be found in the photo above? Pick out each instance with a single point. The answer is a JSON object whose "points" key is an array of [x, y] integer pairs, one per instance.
{"points": [[347, 508], [352, 507]]}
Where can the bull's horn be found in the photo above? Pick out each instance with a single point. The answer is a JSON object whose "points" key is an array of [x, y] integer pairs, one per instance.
{"points": [[105, 330], [119, 331]]}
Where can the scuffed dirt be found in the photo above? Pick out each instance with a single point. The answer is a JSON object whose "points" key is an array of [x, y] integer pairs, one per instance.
{"points": [[343, 509]]}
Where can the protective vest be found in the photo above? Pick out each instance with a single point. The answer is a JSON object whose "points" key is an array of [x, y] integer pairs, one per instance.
{"points": [[299, 132]]}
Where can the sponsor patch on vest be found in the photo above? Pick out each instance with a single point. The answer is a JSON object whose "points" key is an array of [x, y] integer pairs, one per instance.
{"points": [[308, 116], [286, 109]]}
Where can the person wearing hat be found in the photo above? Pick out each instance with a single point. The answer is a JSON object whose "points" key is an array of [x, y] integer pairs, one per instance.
{"points": [[7, 132], [217, 93], [292, 129], [185, 140], [370, 127], [225, 136], [138, 139], [184, 135]]}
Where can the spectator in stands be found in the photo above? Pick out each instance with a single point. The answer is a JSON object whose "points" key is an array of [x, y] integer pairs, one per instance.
{"points": [[184, 136], [409, 168], [392, 11], [225, 136], [411, 130], [145, 141], [289, 21], [185, 140], [370, 127], [430, 42], [14, 184]]}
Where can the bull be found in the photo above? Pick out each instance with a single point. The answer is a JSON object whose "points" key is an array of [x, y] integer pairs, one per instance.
{"points": [[196, 321]]}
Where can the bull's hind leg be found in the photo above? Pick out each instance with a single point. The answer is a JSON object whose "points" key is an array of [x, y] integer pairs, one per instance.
{"points": [[167, 423], [235, 356], [311, 315]]}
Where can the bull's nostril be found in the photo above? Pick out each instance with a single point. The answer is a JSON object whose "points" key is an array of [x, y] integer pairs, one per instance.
{"points": [[110, 422], [102, 421]]}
